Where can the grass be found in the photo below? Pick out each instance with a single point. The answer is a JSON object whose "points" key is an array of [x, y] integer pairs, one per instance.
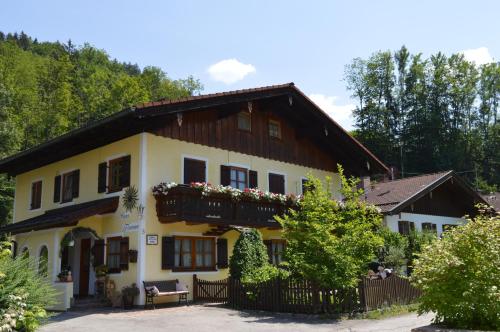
{"points": [[392, 311]]}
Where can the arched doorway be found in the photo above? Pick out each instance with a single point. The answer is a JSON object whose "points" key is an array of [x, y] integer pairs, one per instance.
{"points": [[76, 256]]}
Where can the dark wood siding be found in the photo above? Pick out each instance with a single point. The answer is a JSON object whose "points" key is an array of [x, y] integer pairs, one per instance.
{"points": [[219, 128]]}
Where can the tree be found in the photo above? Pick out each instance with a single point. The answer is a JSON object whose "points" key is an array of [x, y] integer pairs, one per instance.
{"points": [[459, 275], [331, 242], [249, 254]]}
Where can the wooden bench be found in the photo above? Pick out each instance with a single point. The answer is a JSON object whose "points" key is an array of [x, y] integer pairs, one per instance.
{"points": [[165, 288]]}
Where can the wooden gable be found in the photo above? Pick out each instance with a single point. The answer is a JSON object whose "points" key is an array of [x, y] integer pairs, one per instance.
{"points": [[219, 128]]}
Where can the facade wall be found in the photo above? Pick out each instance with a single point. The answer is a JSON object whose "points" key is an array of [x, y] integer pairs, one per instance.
{"points": [[153, 159], [418, 219]]}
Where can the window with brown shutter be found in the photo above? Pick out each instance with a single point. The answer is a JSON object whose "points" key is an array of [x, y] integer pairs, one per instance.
{"points": [[57, 189], [36, 195], [113, 254], [194, 170], [276, 183], [235, 177], [70, 186], [194, 253], [118, 174], [405, 227]]}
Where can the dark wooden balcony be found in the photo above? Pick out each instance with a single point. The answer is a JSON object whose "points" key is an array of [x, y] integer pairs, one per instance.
{"points": [[184, 203]]}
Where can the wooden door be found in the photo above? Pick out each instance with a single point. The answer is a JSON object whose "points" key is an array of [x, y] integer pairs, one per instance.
{"points": [[84, 268]]}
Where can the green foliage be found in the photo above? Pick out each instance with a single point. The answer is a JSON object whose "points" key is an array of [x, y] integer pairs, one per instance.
{"points": [[393, 253], [416, 242], [331, 242], [459, 275], [265, 273], [23, 293], [47, 89], [406, 101], [249, 255]]}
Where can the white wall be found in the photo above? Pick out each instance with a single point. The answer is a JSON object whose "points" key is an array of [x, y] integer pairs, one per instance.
{"points": [[418, 219]]}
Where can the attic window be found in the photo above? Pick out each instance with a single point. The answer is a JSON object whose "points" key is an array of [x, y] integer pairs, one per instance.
{"points": [[244, 121], [274, 129]]}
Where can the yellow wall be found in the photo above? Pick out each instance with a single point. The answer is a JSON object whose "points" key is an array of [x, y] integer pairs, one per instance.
{"points": [[162, 158]]}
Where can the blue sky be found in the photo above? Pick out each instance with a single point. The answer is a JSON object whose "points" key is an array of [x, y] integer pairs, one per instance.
{"points": [[239, 44]]}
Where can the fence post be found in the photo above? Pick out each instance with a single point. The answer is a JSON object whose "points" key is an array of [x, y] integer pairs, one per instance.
{"points": [[362, 295], [315, 297], [195, 288]]}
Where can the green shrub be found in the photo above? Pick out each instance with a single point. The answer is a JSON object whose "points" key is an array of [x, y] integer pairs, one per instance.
{"points": [[393, 252], [459, 275], [23, 293], [249, 254], [331, 242], [416, 242]]}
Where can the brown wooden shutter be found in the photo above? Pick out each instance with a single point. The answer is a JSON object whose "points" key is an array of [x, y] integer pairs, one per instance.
{"points": [[33, 195], [167, 252], [101, 181], [252, 179], [276, 183], [225, 175], [269, 247], [57, 189], [75, 183], [194, 171], [124, 253], [98, 252], [222, 262], [125, 172]]}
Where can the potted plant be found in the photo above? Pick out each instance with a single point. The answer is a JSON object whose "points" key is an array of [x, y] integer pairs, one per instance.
{"points": [[64, 275], [128, 295], [101, 271]]}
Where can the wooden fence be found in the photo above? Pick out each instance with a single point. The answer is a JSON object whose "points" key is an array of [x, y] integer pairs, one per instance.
{"points": [[303, 296]]}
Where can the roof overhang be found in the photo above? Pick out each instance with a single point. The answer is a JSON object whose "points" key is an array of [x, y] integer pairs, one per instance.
{"points": [[63, 217]]}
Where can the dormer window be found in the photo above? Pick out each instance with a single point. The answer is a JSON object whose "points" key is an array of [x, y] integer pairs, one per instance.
{"points": [[275, 129]]}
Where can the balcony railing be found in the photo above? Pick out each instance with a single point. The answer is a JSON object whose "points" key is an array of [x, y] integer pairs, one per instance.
{"points": [[184, 203]]}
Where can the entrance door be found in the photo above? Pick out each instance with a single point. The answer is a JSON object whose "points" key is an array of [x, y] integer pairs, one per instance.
{"points": [[84, 267]]}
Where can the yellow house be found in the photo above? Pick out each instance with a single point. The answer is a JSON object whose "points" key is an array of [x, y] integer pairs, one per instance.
{"points": [[72, 192]]}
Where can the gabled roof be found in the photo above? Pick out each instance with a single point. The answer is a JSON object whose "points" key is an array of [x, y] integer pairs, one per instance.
{"points": [[62, 217], [393, 196], [493, 199], [143, 116]]}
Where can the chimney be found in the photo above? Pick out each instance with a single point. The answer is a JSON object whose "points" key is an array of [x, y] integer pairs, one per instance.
{"points": [[366, 184]]}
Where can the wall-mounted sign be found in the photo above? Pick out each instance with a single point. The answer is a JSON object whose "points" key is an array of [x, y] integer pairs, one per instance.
{"points": [[130, 228], [151, 239]]}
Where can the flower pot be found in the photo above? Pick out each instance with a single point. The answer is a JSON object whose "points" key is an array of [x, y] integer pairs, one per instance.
{"points": [[128, 301]]}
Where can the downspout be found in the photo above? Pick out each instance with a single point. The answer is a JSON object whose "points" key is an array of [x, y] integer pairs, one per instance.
{"points": [[141, 232]]}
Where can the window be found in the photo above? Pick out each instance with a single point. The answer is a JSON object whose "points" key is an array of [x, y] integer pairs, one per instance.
{"points": [[274, 129], [244, 121], [238, 178], [113, 254], [429, 227], [277, 183], [275, 250], [405, 227], [118, 174], [69, 186], [194, 253], [194, 170], [36, 195], [43, 261]]}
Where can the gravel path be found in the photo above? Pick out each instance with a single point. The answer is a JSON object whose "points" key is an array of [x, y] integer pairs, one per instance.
{"points": [[217, 319]]}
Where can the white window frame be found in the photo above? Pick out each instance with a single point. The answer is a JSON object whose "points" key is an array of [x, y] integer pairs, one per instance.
{"points": [[184, 156]]}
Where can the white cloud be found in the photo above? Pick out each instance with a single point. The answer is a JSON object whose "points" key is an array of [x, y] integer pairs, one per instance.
{"points": [[342, 114], [230, 71], [479, 55]]}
